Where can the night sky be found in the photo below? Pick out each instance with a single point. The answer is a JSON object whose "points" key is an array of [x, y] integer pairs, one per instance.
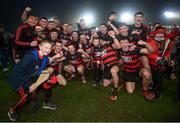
{"points": [[69, 10]]}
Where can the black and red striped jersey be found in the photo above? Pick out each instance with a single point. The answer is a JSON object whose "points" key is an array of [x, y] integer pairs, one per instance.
{"points": [[109, 55], [53, 53], [87, 48], [75, 59], [131, 59], [96, 52], [64, 38]]}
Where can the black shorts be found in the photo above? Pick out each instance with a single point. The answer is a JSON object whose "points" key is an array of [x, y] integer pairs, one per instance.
{"points": [[75, 67], [130, 76], [107, 71]]}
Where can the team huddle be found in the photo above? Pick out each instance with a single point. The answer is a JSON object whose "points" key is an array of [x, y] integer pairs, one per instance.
{"points": [[47, 53]]}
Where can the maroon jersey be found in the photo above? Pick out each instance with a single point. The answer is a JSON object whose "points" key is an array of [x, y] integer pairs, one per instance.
{"points": [[75, 59], [24, 36], [109, 56], [143, 29], [131, 60]]}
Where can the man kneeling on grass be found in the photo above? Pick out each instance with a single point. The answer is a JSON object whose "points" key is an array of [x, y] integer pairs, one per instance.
{"points": [[133, 66], [25, 75], [111, 68]]}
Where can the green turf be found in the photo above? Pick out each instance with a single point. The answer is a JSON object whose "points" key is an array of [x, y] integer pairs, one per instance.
{"points": [[78, 102]]}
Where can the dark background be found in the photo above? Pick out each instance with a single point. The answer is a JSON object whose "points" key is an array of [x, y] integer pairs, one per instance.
{"points": [[69, 10]]}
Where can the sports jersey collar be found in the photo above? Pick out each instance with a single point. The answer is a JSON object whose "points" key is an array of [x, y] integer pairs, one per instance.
{"points": [[40, 56]]}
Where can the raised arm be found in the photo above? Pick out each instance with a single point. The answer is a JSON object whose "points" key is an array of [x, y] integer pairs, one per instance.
{"points": [[116, 41], [147, 50], [25, 14]]}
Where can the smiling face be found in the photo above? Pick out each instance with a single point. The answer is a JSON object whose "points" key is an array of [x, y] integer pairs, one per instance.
{"points": [[58, 47], [138, 19], [123, 30], [50, 25], [43, 23], [103, 29], [71, 49], [75, 35], [83, 39], [45, 48], [56, 22], [124, 45], [32, 21], [96, 42], [54, 35]]}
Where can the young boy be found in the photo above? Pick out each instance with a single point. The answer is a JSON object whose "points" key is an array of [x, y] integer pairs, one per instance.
{"points": [[25, 74]]}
